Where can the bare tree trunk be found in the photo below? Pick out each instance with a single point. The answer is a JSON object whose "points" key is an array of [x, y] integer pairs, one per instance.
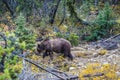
{"points": [[96, 2], [114, 2], [64, 13], [11, 5], [53, 12]]}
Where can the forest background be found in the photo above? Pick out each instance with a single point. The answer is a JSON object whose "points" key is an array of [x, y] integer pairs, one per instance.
{"points": [[79, 21]]}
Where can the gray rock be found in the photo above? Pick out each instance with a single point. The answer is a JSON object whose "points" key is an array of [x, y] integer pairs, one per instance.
{"points": [[109, 45]]}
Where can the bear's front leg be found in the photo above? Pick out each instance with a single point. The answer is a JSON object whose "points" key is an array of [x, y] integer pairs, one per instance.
{"points": [[51, 55], [45, 54]]}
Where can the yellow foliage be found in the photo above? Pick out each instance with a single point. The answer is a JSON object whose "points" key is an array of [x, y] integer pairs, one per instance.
{"points": [[63, 28], [118, 21], [4, 27], [34, 68], [8, 17], [111, 75], [18, 67], [48, 32], [59, 59], [96, 78], [82, 79], [103, 52], [35, 57], [92, 8], [52, 34], [81, 54], [107, 69], [118, 78]]}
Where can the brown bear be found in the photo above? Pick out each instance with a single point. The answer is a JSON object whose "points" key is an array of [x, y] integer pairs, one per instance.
{"points": [[58, 45]]}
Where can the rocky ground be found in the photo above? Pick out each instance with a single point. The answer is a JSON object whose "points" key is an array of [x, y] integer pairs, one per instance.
{"points": [[105, 51]]}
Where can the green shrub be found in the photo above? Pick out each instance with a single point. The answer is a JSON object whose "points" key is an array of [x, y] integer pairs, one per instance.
{"points": [[102, 25], [72, 37], [60, 35], [23, 33], [12, 65]]}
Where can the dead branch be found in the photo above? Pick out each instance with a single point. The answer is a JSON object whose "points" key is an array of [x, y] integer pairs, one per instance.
{"points": [[112, 37], [49, 70]]}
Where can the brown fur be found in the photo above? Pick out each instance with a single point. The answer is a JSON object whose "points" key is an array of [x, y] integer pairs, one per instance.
{"points": [[58, 45]]}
